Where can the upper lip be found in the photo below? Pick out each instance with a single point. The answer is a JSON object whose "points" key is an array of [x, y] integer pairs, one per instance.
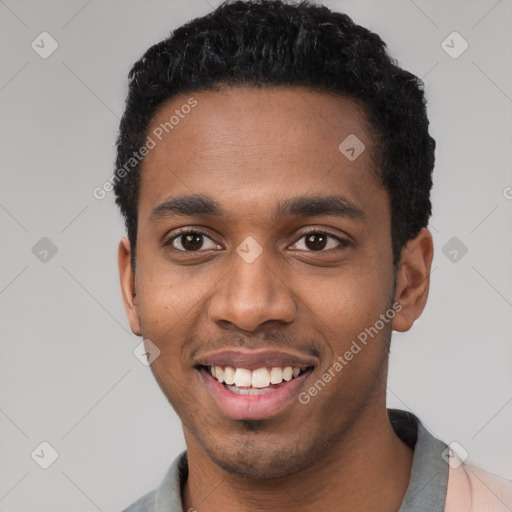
{"points": [[254, 359]]}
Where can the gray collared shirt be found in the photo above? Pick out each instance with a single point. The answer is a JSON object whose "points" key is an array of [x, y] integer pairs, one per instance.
{"points": [[426, 491]]}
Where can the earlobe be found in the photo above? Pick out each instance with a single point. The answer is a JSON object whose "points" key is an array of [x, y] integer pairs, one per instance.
{"points": [[413, 279], [128, 285]]}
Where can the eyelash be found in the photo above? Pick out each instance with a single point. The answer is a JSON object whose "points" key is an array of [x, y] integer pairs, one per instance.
{"points": [[184, 231]]}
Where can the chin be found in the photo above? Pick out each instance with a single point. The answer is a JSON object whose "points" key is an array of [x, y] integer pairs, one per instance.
{"points": [[260, 460], [258, 468]]}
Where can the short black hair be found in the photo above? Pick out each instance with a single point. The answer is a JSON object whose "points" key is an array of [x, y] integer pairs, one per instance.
{"points": [[265, 43]]}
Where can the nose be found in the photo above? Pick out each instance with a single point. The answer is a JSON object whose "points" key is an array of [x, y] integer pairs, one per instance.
{"points": [[251, 294]]}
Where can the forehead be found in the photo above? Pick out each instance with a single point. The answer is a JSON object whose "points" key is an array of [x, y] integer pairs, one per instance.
{"points": [[252, 148]]}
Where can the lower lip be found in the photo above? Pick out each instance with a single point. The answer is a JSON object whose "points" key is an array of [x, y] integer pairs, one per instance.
{"points": [[253, 407]]}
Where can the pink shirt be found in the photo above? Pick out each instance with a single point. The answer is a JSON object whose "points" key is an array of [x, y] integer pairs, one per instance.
{"points": [[473, 490]]}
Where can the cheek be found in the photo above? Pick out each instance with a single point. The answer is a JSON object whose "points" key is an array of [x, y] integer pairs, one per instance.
{"points": [[346, 303], [171, 307], [170, 297]]}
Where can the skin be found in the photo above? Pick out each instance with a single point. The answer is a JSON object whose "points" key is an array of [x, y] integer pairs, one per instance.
{"points": [[250, 149]]}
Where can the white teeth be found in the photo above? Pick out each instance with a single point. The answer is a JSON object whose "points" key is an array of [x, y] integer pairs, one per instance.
{"points": [[260, 378], [229, 375], [250, 391], [243, 377], [276, 375]]}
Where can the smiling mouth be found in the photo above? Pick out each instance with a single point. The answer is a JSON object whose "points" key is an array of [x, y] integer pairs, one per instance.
{"points": [[244, 381]]}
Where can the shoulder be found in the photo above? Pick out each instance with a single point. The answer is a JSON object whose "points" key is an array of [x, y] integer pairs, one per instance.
{"points": [[144, 504], [168, 495], [471, 489]]}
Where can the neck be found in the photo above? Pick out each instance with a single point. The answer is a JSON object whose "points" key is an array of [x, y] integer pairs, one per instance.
{"points": [[367, 469]]}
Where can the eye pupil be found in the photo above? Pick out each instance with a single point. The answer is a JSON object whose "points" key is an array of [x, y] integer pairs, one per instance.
{"points": [[192, 241], [316, 241]]}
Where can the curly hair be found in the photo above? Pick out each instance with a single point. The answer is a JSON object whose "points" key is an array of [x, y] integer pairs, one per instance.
{"points": [[265, 43]]}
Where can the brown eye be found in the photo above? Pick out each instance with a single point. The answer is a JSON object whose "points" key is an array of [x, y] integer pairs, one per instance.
{"points": [[191, 241], [318, 241]]}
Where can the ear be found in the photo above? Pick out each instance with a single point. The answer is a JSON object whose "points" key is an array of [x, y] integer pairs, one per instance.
{"points": [[128, 285], [413, 279]]}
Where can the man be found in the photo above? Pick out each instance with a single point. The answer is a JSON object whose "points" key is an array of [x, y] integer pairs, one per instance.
{"points": [[274, 171]]}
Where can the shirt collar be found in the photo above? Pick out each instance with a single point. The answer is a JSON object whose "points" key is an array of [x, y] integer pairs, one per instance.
{"points": [[429, 473]]}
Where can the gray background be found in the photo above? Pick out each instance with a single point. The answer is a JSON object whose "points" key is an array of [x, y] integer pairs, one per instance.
{"points": [[68, 374]]}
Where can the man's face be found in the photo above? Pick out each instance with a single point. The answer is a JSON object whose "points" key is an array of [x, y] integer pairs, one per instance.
{"points": [[320, 278]]}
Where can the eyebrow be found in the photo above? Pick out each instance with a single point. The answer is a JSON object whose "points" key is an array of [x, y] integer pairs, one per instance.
{"points": [[187, 205], [310, 206], [302, 206]]}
